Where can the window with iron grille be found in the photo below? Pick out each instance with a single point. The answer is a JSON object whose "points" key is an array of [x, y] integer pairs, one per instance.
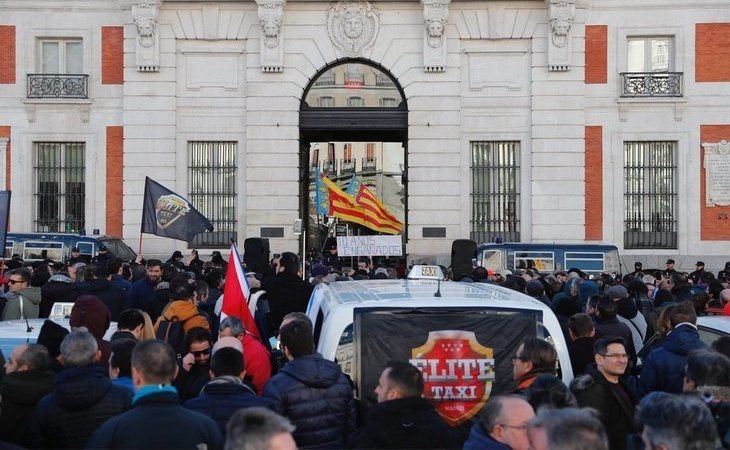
{"points": [[212, 185], [495, 191], [650, 195], [59, 186]]}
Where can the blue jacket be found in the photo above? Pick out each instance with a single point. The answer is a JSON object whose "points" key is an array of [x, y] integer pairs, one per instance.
{"points": [[221, 398], [124, 382], [141, 295], [317, 397], [480, 440], [157, 421], [662, 370], [82, 400]]}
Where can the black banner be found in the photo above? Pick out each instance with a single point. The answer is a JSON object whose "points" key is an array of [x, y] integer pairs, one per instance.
{"points": [[464, 354], [167, 214], [4, 218]]}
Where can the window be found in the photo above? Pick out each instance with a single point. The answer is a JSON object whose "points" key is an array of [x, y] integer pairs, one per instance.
{"points": [[388, 102], [540, 261], [585, 261], [43, 250], [212, 174], [650, 195], [64, 56], [59, 186], [649, 68], [326, 102], [495, 192], [355, 102], [649, 54]]}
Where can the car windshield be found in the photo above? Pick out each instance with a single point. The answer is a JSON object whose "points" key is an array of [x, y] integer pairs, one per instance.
{"points": [[119, 249]]}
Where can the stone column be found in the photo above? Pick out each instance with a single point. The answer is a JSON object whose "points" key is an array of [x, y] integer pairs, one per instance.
{"points": [[271, 15], [148, 42], [435, 16], [560, 47]]}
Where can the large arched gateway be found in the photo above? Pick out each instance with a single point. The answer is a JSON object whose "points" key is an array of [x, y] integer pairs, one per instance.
{"points": [[353, 129]]}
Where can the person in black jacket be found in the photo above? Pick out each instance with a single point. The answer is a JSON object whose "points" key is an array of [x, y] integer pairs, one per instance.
{"points": [[156, 420], [102, 288], [609, 325], [311, 391], [403, 418], [226, 393], [82, 400], [28, 379], [58, 289], [582, 338], [286, 291], [603, 389]]}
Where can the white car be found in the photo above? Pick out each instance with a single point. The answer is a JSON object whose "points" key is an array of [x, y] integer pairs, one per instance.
{"points": [[20, 331]]}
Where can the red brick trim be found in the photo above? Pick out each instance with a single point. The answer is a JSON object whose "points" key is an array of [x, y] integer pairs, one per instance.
{"points": [[114, 180], [594, 183], [712, 52], [7, 54], [596, 54], [112, 55], [5, 133]]}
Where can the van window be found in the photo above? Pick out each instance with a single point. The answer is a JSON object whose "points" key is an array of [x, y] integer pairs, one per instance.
{"points": [[118, 248], [344, 355], [492, 260], [586, 261], [8, 251], [540, 261], [43, 250], [86, 250]]}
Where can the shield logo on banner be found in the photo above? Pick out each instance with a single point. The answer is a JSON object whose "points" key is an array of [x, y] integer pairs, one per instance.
{"points": [[169, 208], [457, 371]]}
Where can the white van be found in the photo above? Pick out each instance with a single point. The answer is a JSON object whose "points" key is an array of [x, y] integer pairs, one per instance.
{"points": [[461, 335]]}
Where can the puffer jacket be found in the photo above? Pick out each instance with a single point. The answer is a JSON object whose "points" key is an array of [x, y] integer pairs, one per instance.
{"points": [[317, 397], [662, 369], [20, 392], [186, 312], [112, 296], [83, 399], [31, 304]]}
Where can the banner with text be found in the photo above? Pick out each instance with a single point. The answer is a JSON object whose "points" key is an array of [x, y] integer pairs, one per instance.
{"points": [[369, 246]]}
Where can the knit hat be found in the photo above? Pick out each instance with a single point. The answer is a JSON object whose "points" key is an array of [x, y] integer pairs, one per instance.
{"points": [[534, 289], [90, 312], [617, 292], [319, 270]]}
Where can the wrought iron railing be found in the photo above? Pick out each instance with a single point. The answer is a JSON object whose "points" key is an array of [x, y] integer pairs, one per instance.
{"points": [[369, 165], [60, 188], [648, 84], [45, 85], [347, 166]]}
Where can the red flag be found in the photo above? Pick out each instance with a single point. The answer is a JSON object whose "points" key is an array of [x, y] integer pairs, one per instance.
{"points": [[236, 294]]}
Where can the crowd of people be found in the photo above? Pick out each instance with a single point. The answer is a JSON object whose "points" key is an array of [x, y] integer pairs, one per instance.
{"points": [[175, 374]]}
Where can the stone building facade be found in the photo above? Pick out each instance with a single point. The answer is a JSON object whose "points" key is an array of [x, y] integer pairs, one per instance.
{"points": [[602, 108]]}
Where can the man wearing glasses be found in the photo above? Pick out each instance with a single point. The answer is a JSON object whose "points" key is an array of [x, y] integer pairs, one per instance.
{"points": [[22, 298], [502, 425], [603, 389]]}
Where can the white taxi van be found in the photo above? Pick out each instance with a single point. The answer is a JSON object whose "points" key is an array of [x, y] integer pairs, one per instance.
{"points": [[462, 336]]}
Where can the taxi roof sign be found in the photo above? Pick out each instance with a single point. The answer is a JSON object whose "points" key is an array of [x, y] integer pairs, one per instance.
{"points": [[421, 272]]}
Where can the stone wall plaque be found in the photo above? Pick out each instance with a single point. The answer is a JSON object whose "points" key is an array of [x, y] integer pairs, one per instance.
{"points": [[271, 15], [353, 27], [717, 173], [148, 40]]}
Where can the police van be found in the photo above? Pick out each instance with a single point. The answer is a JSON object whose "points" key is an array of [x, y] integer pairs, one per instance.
{"points": [[462, 336], [57, 246]]}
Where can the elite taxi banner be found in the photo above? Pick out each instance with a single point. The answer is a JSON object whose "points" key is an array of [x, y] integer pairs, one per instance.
{"points": [[169, 215], [464, 354]]}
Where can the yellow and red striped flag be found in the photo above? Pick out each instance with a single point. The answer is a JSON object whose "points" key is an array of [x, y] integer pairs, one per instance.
{"points": [[377, 214]]}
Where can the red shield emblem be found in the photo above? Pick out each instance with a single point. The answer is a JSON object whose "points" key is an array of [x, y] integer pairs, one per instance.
{"points": [[457, 371]]}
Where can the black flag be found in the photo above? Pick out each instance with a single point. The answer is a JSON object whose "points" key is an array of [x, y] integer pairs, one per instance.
{"points": [[167, 214], [4, 216]]}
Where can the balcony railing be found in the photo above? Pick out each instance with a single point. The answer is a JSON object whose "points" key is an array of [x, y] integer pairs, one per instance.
{"points": [[648, 84], [44, 85], [368, 165]]}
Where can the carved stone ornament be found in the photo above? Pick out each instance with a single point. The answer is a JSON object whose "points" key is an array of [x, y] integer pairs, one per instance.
{"points": [[148, 40], [271, 16], [562, 16], [435, 17], [353, 27], [717, 168]]}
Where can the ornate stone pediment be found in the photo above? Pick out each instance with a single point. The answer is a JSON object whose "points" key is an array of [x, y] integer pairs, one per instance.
{"points": [[435, 17], [271, 16], [148, 41], [353, 27], [562, 15]]}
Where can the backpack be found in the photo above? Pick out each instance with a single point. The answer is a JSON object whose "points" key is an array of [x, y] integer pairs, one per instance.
{"points": [[172, 331]]}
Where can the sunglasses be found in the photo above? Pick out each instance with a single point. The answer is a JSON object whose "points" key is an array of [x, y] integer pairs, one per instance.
{"points": [[15, 281], [201, 352]]}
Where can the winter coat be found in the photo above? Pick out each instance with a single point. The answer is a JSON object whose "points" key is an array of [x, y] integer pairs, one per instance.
{"points": [[185, 311], [593, 390], [141, 295], [119, 281], [404, 423], [222, 397], [581, 354], [480, 440], [662, 369], [20, 392], [189, 383], [158, 421], [628, 313], [317, 397], [90, 312], [110, 295], [31, 297], [55, 291], [258, 362], [286, 293], [83, 399]]}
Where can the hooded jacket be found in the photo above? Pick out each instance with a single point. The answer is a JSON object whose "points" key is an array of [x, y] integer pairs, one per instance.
{"points": [[20, 392], [112, 296], [59, 288], [31, 297], [662, 370], [317, 397], [88, 311], [83, 399], [404, 423], [616, 413]]}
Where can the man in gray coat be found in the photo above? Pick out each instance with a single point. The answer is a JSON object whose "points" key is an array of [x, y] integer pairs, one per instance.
{"points": [[22, 299]]}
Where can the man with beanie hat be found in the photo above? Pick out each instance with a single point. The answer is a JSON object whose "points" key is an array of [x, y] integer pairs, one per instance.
{"points": [[536, 290], [90, 312], [628, 313]]}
